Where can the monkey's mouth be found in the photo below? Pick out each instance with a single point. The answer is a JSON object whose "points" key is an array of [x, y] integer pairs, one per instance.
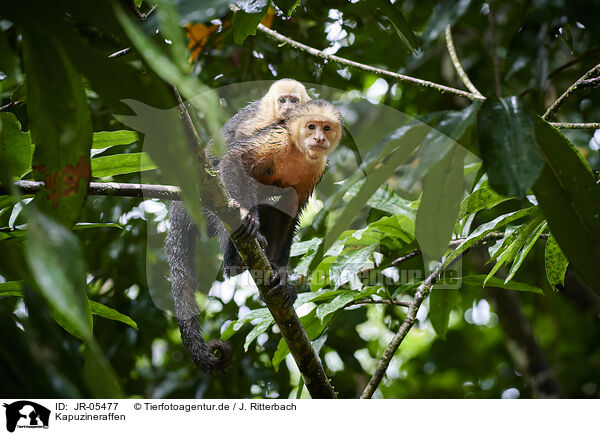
{"points": [[318, 147]]}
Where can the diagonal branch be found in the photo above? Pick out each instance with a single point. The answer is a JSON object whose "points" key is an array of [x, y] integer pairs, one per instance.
{"points": [[409, 321], [456, 62], [582, 82], [573, 125], [378, 71]]}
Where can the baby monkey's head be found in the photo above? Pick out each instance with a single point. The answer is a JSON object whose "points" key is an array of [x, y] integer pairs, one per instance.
{"points": [[315, 127], [284, 95]]}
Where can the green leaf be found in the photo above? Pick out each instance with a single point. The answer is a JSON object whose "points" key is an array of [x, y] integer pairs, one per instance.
{"points": [[55, 258], [287, 6], [91, 225], [484, 229], [246, 20], [446, 130], [280, 354], [99, 376], [403, 30], [349, 263], [11, 288], [256, 331], [15, 146], [570, 199], [117, 164], [556, 263], [439, 205], [107, 139], [483, 198], [441, 302], [446, 13], [478, 280], [505, 131], [235, 326], [109, 313], [337, 304], [512, 244], [61, 127], [533, 237]]}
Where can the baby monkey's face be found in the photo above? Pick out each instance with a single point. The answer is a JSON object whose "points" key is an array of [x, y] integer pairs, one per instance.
{"points": [[285, 102]]}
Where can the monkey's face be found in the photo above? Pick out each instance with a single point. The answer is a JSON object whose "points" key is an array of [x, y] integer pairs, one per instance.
{"points": [[318, 137], [285, 102]]}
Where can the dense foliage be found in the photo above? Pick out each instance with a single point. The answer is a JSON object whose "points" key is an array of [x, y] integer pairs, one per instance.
{"points": [[423, 180]]}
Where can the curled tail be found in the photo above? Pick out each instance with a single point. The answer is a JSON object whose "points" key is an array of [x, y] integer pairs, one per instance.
{"points": [[180, 246]]}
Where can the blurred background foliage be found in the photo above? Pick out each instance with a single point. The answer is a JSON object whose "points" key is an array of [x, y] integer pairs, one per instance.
{"points": [[498, 343]]}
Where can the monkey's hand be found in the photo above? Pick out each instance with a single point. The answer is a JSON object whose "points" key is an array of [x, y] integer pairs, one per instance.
{"points": [[281, 290], [250, 226]]}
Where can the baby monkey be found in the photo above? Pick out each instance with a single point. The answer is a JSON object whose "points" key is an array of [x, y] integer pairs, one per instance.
{"points": [[283, 96]]}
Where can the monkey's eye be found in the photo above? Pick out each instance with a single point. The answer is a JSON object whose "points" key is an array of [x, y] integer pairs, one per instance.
{"points": [[311, 126], [326, 128], [293, 100], [282, 100]]}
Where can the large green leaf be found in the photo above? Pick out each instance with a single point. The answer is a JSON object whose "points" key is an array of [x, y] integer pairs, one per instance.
{"points": [[439, 205], [61, 127], [483, 198], [484, 229], [106, 139], [441, 302], [116, 164], [478, 280], [15, 146], [446, 13], [101, 310], [55, 257], [403, 30], [570, 199], [246, 20], [555, 262], [505, 131]]}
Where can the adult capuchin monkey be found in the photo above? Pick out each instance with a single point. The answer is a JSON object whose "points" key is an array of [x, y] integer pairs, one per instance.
{"points": [[282, 159], [283, 96]]}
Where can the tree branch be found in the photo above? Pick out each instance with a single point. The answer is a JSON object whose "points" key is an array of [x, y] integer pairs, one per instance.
{"points": [[457, 65], [378, 301], [409, 321], [378, 71], [106, 189], [578, 84], [573, 125]]}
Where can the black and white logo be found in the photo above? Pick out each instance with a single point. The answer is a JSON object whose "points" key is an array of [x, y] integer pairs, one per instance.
{"points": [[25, 414]]}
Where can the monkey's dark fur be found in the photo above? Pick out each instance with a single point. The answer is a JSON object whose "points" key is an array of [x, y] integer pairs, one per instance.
{"points": [[268, 163]]}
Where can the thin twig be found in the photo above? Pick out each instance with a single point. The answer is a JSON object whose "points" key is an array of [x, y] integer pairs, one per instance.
{"points": [[573, 125], [573, 62], [10, 105], [561, 100], [378, 301], [493, 50], [456, 62], [120, 53], [378, 71]]}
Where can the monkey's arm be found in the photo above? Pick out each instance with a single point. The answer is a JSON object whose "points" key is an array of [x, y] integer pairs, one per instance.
{"points": [[180, 247]]}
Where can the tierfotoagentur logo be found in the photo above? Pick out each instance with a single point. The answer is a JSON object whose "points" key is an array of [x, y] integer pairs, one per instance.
{"points": [[25, 414]]}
